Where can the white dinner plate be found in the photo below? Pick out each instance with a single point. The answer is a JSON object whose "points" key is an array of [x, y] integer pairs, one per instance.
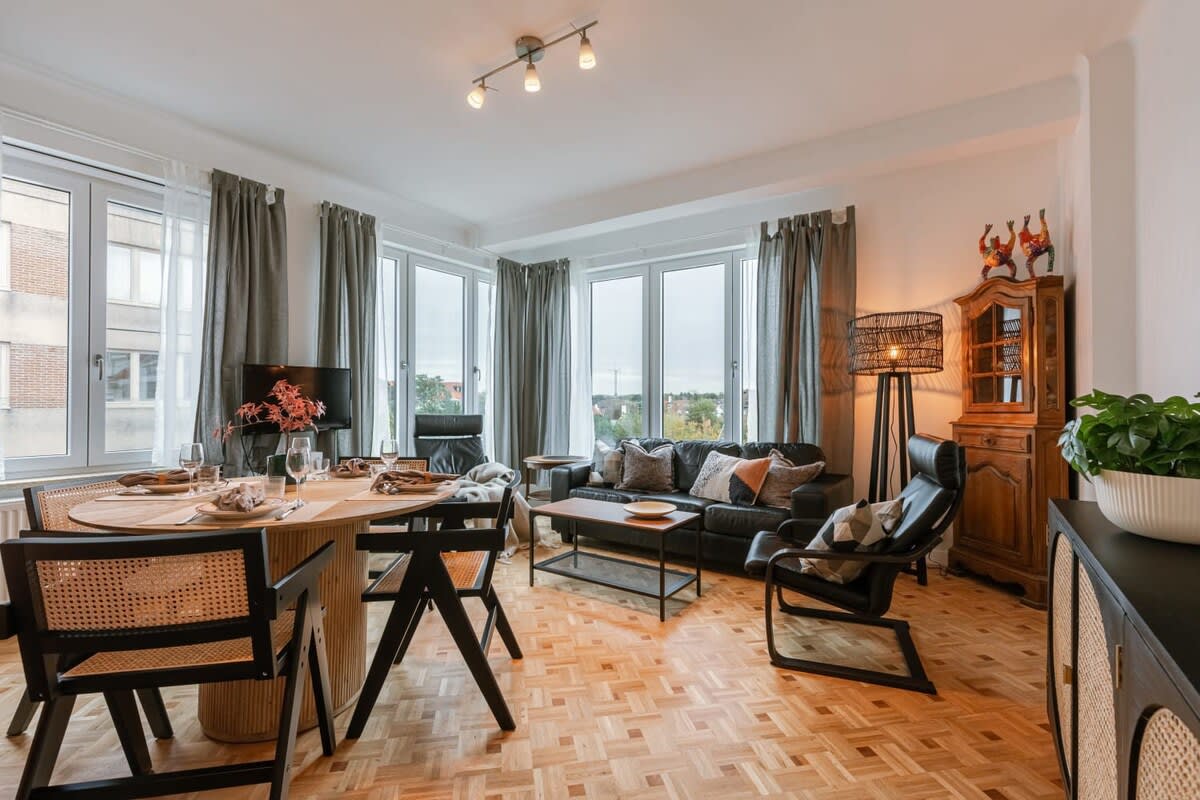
{"points": [[268, 506]]}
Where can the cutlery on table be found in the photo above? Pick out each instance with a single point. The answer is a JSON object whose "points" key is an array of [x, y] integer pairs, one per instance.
{"points": [[288, 511], [191, 519]]}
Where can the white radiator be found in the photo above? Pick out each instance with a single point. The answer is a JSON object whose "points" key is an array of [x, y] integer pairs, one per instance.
{"points": [[12, 521]]}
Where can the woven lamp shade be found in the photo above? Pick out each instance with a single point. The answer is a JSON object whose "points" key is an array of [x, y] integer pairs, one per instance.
{"points": [[901, 341]]}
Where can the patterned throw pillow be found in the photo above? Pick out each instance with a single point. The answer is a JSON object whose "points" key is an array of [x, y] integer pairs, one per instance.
{"points": [[862, 527], [783, 477], [729, 479], [648, 472]]}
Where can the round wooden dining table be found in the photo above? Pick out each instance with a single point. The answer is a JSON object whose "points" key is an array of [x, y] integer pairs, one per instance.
{"points": [[335, 510]]}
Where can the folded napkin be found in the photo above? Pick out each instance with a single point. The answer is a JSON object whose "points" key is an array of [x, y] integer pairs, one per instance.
{"points": [[353, 467], [144, 478], [242, 497], [395, 481]]}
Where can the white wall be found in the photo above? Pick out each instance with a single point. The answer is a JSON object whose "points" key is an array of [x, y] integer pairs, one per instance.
{"points": [[138, 128], [1167, 119]]}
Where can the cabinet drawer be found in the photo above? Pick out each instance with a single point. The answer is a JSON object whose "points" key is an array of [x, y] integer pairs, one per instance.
{"points": [[993, 439]]}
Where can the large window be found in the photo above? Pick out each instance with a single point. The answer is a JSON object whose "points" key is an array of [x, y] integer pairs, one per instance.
{"points": [[434, 350], [663, 339], [80, 315], [617, 357], [4, 376]]}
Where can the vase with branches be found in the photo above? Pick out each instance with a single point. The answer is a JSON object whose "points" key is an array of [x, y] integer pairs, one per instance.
{"points": [[286, 407]]}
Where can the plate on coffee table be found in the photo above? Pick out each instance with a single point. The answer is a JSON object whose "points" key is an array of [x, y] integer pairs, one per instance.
{"points": [[650, 509]]}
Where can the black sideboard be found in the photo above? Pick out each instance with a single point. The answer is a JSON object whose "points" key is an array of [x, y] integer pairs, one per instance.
{"points": [[1123, 676]]}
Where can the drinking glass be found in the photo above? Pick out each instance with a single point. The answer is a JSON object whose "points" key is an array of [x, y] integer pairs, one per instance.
{"points": [[299, 463], [208, 477], [191, 456], [318, 465], [389, 451]]}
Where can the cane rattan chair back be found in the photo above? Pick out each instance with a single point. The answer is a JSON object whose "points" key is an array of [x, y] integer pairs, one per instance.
{"points": [[404, 462], [48, 506], [75, 597]]}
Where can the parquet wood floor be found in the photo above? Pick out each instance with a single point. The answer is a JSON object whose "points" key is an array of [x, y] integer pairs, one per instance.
{"points": [[612, 703]]}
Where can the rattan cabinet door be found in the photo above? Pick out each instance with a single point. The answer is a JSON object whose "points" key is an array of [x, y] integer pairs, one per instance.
{"points": [[1061, 668], [1163, 735], [1099, 623]]}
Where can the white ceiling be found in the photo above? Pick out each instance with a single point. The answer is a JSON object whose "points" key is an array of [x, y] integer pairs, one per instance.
{"points": [[374, 89]]}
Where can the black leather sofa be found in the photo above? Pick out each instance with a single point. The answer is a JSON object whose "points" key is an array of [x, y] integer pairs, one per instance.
{"points": [[728, 529]]}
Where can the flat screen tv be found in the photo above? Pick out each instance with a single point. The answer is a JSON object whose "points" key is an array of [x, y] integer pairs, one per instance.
{"points": [[330, 385]]}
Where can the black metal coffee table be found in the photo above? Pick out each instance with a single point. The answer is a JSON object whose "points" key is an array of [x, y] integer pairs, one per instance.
{"points": [[617, 573]]}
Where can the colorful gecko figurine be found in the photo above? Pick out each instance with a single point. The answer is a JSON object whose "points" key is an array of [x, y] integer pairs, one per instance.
{"points": [[996, 254], [1033, 245]]}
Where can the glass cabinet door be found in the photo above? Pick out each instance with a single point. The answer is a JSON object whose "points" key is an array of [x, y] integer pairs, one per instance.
{"points": [[998, 337]]}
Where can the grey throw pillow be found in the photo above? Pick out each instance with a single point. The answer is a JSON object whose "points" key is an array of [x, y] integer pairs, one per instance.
{"points": [[862, 527], [648, 472], [783, 477]]}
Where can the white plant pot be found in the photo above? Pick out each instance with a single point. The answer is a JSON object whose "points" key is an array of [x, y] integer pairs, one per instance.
{"points": [[1154, 506]]}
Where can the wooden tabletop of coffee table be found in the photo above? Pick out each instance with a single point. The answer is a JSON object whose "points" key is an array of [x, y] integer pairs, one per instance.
{"points": [[611, 513]]}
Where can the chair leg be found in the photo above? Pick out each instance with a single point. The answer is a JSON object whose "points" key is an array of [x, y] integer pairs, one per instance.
{"points": [[123, 709], [156, 713], [404, 611], [318, 666], [492, 601], [26, 708], [293, 694], [47, 740], [916, 680], [446, 598]]}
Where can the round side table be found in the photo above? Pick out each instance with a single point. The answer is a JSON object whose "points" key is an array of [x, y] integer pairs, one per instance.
{"points": [[544, 462]]}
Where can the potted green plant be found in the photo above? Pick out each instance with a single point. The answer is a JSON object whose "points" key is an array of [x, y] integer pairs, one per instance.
{"points": [[1143, 457]]}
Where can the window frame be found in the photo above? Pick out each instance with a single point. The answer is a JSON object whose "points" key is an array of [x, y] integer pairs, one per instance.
{"points": [[5, 256], [405, 300], [652, 273], [5, 375], [89, 188]]}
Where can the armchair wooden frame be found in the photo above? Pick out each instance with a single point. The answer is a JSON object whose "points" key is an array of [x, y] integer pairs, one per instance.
{"points": [[258, 631], [892, 563]]}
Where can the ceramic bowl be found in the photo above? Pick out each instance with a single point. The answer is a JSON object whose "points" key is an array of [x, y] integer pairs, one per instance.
{"points": [[649, 509]]}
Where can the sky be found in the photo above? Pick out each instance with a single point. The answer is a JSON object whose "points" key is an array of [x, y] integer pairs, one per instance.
{"points": [[693, 323]]}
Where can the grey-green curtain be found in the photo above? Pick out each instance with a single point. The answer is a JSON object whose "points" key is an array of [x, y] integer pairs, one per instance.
{"points": [[805, 297], [533, 360], [245, 308], [346, 323]]}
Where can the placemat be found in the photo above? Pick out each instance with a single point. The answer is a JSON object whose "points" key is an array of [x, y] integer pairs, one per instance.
{"points": [[367, 494], [308, 511]]}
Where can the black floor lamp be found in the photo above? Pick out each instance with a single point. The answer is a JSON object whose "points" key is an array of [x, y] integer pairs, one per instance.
{"points": [[894, 346]]}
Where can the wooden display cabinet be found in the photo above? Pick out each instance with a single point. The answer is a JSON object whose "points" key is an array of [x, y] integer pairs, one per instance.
{"points": [[1014, 381]]}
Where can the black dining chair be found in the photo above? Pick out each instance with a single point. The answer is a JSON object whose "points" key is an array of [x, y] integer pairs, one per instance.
{"points": [[931, 501], [112, 615], [441, 567], [47, 507]]}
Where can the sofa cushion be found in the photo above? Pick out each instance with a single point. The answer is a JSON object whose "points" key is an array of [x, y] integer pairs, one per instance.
{"points": [[652, 471], [729, 479], [684, 501], [607, 461], [604, 493], [691, 455], [742, 521], [796, 452], [855, 595], [784, 476]]}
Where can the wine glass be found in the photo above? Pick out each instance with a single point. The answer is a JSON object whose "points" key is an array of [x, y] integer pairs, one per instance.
{"points": [[389, 451], [191, 456], [298, 463]]}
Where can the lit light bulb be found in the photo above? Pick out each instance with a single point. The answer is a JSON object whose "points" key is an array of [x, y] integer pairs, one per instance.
{"points": [[532, 82], [894, 353], [587, 56], [476, 96]]}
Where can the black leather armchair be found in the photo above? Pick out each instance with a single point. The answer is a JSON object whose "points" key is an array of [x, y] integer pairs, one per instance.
{"points": [[931, 502], [451, 442]]}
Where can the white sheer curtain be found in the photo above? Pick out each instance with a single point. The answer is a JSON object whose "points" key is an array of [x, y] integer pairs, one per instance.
{"points": [[5, 257], [583, 432], [184, 253]]}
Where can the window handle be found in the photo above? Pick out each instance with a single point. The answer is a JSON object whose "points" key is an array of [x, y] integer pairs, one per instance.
{"points": [[404, 364], [478, 372], [98, 360]]}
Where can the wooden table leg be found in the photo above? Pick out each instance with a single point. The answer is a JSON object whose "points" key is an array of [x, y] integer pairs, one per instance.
{"points": [[248, 711]]}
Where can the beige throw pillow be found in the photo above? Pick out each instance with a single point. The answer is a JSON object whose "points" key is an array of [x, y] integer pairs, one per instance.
{"points": [[783, 477], [648, 472]]}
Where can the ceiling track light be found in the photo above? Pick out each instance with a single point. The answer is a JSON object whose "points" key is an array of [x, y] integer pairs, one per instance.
{"points": [[531, 49]]}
